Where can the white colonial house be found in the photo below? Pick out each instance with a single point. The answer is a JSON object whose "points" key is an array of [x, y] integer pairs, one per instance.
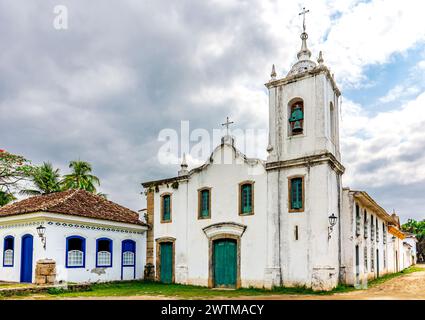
{"points": [[282, 221], [79, 236]]}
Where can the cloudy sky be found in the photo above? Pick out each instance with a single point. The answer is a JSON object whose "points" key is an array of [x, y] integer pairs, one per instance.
{"points": [[103, 89]]}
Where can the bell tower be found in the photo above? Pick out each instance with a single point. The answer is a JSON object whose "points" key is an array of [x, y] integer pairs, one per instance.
{"points": [[304, 174]]}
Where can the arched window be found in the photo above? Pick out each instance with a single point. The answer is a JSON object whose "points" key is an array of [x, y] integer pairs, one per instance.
{"points": [[166, 208], [75, 252], [204, 203], [8, 251], [332, 122], [103, 253], [246, 198], [365, 222], [296, 194], [296, 117], [128, 253]]}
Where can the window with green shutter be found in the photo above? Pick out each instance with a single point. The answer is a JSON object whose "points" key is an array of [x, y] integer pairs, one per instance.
{"points": [[166, 208], [204, 205], [296, 194], [246, 199]]}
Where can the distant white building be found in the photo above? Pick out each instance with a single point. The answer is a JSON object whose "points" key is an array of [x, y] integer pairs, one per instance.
{"points": [[283, 221], [87, 237]]}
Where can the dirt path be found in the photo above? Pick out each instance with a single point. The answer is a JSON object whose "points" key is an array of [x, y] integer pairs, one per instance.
{"points": [[410, 286]]}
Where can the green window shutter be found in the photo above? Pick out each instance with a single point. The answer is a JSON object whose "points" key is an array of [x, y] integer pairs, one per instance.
{"points": [[166, 208], [296, 193], [246, 198], [205, 194]]}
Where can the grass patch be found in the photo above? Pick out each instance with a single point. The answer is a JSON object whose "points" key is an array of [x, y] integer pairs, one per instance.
{"points": [[141, 288]]}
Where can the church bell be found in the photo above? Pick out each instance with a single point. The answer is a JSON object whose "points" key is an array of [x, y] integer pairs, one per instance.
{"points": [[297, 127]]}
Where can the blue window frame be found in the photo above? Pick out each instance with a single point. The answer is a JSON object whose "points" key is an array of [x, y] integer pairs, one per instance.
{"points": [[103, 253], [8, 251], [128, 257], [75, 252]]}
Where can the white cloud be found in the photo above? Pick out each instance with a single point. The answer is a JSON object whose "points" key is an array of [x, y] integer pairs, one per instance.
{"points": [[385, 149], [370, 33], [398, 92]]}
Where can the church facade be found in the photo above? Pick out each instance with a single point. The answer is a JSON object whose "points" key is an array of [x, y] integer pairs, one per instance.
{"points": [[282, 221]]}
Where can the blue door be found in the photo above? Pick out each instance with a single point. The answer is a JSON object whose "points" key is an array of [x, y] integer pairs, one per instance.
{"points": [[26, 258]]}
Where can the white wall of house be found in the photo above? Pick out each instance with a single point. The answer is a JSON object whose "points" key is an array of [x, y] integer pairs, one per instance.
{"points": [[58, 228], [387, 249], [17, 230]]}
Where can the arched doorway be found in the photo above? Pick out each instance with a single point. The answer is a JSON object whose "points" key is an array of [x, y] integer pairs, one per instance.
{"points": [[225, 263], [26, 258]]}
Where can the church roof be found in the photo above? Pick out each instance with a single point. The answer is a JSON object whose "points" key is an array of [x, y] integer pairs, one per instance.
{"points": [[75, 203], [225, 141]]}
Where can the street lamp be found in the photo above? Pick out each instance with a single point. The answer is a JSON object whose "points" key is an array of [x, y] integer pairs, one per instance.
{"points": [[40, 231], [332, 223]]}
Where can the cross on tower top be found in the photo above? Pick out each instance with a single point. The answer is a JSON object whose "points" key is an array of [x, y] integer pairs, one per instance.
{"points": [[304, 12], [227, 123]]}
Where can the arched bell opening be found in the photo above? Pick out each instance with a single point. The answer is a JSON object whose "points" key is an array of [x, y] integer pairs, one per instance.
{"points": [[296, 116]]}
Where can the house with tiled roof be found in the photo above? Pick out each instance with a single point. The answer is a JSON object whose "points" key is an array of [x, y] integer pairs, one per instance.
{"points": [[70, 236]]}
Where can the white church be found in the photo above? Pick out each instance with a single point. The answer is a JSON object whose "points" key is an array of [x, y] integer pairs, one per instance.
{"points": [[284, 221]]}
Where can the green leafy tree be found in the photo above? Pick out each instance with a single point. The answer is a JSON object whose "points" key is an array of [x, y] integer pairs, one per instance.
{"points": [[81, 177], [13, 170], [418, 229], [45, 179], [5, 198]]}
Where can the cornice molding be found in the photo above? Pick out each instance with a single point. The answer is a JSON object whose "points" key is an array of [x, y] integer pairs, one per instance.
{"points": [[308, 161]]}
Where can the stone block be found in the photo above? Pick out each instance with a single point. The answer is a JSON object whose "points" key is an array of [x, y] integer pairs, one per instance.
{"points": [[51, 279], [40, 280]]}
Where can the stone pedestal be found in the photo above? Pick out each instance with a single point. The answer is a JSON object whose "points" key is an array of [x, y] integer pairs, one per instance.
{"points": [[149, 273], [45, 272]]}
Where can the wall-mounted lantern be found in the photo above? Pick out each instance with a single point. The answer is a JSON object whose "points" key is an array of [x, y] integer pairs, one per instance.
{"points": [[332, 223], [40, 231]]}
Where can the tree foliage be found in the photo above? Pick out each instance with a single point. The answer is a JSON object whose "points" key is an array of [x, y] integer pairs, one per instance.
{"points": [[418, 229], [5, 198], [80, 177], [13, 169], [45, 179]]}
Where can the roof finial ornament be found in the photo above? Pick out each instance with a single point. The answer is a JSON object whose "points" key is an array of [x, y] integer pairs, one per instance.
{"points": [[304, 53], [273, 74], [304, 12], [227, 124], [183, 166], [320, 59], [227, 138], [304, 63], [184, 163]]}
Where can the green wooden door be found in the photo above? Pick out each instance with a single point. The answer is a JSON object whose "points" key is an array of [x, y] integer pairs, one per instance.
{"points": [[166, 262], [225, 263]]}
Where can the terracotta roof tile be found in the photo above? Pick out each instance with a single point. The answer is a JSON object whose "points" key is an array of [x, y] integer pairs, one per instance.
{"points": [[73, 202]]}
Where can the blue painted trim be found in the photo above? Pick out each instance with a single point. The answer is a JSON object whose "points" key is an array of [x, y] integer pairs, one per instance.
{"points": [[4, 249], [83, 248], [27, 256], [110, 250], [124, 242]]}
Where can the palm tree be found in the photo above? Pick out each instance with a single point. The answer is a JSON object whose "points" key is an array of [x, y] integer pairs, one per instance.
{"points": [[81, 177], [5, 198], [45, 180]]}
